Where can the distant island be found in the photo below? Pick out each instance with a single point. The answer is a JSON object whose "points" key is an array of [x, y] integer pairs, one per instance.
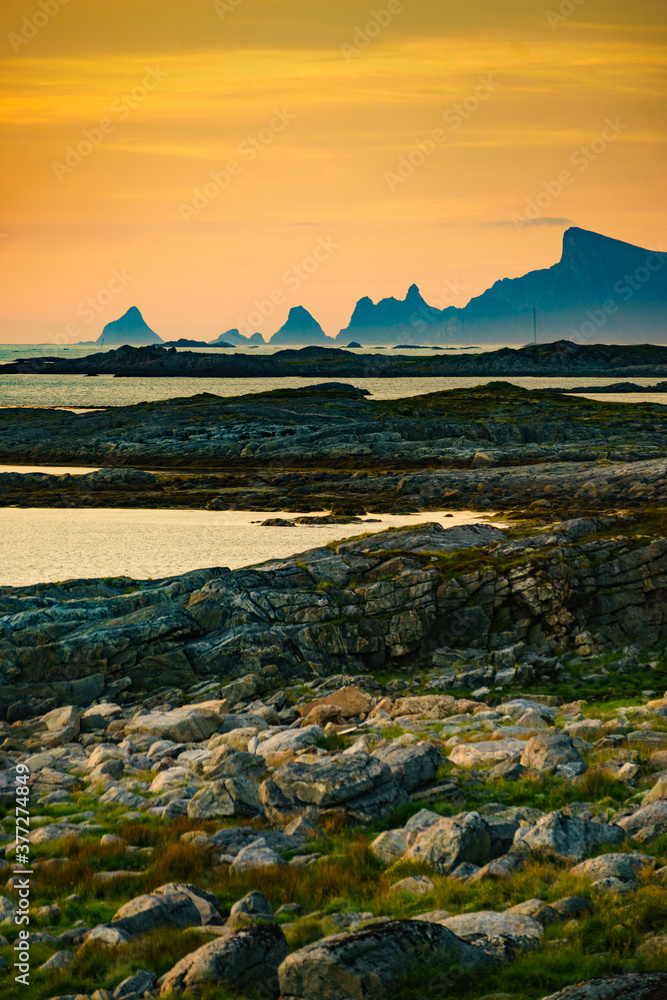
{"points": [[600, 290], [541, 360]]}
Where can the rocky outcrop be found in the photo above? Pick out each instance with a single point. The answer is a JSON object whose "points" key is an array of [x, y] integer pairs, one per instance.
{"points": [[391, 598], [246, 960], [375, 962]]}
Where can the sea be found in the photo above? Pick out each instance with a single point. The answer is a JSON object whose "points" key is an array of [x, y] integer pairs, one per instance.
{"points": [[48, 544]]}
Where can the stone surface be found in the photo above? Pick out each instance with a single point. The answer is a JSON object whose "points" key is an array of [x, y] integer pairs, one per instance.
{"points": [[246, 960], [374, 962], [451, 841], [568, 837]]}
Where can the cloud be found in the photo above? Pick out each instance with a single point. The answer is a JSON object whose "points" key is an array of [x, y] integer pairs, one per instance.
{"points": [[547, 220]]}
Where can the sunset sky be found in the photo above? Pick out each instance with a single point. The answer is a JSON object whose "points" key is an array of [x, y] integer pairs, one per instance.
{"points": [[306, 116]]}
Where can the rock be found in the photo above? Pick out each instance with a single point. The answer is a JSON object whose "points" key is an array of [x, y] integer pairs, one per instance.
{"points": [[487, 753], [571, 907], [417, 885], [219, 799], [500, 935], [361, 785], [253, 908], [428, 706], [626, 867], [451, 841], [411, 766], [657, 793], [291, 739], [67, 718], [648, 822], [55, 831], [392, 844], [246, 960], [139, 983], [172, 905], [631, 986], [373, 963], [563, 836], [60, 960], [350, 702], [257, 855], [190, 724], [553, 753]]}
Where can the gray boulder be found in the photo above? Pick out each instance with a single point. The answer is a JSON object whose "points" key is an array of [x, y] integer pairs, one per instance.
{"points": [[257, 855], [231, 797], [626, 867], [291, 739], [411, 766], [553, 753], [253, 908], [172, 905], [373, 963], [361, 785], [632, 986], [190, 724], [501, 935], [647, 823], [568, 837], [246, 960], [451, 841]]}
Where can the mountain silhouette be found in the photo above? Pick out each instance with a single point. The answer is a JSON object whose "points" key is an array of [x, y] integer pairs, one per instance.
{"points": [[130, 329], [601, 289], [301, 328]]}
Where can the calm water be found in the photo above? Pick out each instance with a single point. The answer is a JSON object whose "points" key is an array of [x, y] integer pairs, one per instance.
{"points": [[81, 392], [39, 545]]}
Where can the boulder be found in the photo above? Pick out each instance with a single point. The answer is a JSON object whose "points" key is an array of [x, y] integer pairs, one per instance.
{"points": [[487, 753], [568, 837], [648, 822], [375, 962], [411, 766], [657, 794], [553, 753], [190, 724], [413, 885], [450, 841], [257, 855], [501, 935], [350, 702], [361, 785], [172, 905], [626, 867], [631, 986], [291, 739], [428, 706], [253, 908], [246, 960], [220, 799]]}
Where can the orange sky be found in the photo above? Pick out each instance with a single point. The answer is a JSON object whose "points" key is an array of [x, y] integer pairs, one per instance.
{"points": [[305, 121]]}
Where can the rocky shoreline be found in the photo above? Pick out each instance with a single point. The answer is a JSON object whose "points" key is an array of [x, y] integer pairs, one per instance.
{"points": [[496, 447], [423, 762]]}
